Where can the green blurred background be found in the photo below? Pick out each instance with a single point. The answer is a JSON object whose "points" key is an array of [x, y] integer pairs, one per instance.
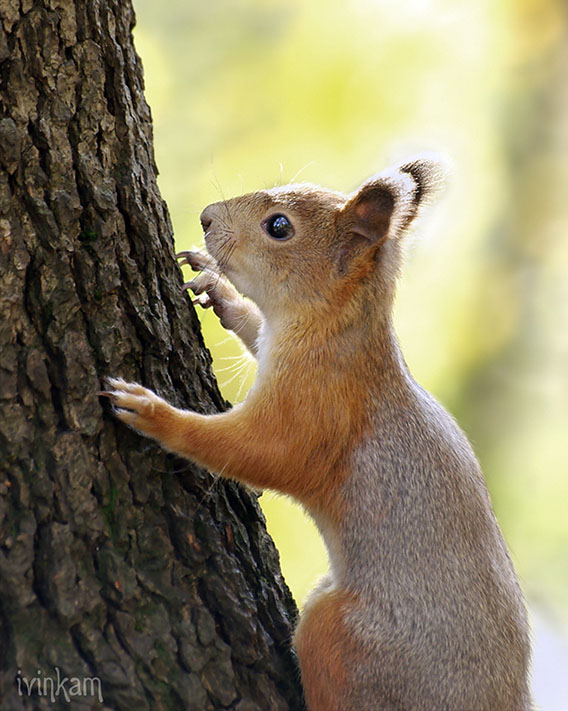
{"points": [[253, 93]]}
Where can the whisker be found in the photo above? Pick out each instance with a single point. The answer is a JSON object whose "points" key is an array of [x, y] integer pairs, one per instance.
{"points": [[226, 206], [215, 182], [237, 360], [242, 361], [250, 364], [225, 224], [244, 319], [301, 171], [235, 357], [226, 252], [234, 370], [226, 340], [220, 189], [207, 494], [234, 377]]}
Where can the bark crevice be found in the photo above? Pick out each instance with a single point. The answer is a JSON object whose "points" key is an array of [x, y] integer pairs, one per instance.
{"points": [[117, 560]]}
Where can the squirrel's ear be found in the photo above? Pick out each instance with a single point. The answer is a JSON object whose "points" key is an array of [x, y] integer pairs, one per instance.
{"points": [[385, 205], [364, 221], [367, 214]]}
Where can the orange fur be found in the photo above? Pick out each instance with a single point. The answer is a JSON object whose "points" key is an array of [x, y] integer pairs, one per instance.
{"points": [[284, 436], [327, 650]]}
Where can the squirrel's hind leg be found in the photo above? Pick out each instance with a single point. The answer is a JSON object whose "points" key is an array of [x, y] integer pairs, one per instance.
{"points": [[327, 652]]}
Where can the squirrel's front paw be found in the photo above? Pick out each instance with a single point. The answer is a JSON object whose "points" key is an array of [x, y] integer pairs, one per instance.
{"points": [[134, 405], [214, 289], [204, 282]]}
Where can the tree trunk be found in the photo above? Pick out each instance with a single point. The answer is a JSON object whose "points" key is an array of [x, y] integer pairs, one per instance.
{"points": [[118, 562]]}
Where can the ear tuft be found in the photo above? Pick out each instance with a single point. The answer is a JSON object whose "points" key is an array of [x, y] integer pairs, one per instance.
{"points": [[429, 176], [418, 181]]}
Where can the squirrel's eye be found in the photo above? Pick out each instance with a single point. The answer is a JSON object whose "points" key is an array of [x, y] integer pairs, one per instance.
{"points": [[278, 227]]}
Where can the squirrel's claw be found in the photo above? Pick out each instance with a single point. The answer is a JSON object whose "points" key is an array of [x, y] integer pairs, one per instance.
{"points": [[197, 260], [189, 285], [133, 404]]}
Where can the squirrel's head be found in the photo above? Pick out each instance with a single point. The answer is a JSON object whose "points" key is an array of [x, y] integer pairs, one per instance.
{"points": [[300, 246]]}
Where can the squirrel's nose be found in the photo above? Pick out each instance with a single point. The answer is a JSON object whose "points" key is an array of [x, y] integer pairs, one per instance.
{"points": [[206, 219]]}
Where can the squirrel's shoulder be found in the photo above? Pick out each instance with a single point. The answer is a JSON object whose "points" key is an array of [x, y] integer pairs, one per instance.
{"points": [[414, 448]]}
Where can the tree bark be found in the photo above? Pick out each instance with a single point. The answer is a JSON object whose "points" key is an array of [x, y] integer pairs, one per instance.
{"points": [[117, 561]]}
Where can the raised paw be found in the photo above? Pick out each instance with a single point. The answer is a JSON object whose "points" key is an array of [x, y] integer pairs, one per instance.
{"points": [[213, 289]]}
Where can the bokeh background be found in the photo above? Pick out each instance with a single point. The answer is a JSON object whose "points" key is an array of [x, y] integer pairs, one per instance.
{"points": [[246, 94]]}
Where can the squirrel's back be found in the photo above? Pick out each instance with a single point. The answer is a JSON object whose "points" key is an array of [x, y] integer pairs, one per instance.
{"points": [[424, 556]]}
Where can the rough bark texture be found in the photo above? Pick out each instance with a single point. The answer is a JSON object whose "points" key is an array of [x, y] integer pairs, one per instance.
{"points": [[117, 561]]}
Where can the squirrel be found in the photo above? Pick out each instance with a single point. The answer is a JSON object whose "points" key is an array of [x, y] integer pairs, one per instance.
{"points": [[421, 609]]}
